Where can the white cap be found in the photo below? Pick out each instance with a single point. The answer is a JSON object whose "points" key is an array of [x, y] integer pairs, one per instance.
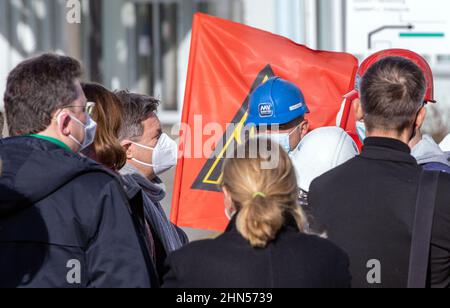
{"points": [[321, 151], [445, 145]]}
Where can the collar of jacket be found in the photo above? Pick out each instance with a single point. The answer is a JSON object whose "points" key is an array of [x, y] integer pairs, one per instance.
{"points": [[135, 183], [289, 223], [52, 140], [379, 148]]}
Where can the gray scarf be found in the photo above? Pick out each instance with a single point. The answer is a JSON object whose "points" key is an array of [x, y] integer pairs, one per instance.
{"points": [[153, 193]]}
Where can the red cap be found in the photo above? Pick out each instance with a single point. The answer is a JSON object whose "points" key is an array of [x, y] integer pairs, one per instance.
{"points": [[403, 53]]}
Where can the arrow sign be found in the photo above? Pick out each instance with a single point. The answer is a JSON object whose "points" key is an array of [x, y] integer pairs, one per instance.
{"points": [[371, 34]]}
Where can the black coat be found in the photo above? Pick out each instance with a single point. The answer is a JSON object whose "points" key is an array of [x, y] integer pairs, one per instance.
{"points": [[60, 212], [136, 201], [367, 207], [293, 260]]}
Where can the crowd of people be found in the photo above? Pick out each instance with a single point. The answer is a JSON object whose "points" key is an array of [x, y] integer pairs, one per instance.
{"points": [[80, 192]]}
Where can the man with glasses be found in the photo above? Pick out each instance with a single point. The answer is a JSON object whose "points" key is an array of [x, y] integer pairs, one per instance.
{"points": [[64, 220]]}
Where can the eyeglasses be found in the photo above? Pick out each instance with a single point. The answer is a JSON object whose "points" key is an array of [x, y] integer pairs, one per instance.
{"points": [[88, 109]]}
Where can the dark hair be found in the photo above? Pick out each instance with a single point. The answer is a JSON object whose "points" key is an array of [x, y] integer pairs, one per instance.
{"points": [[108, 115], [38, 87], [288, 126], [136, 109], [293, 124], [392, 93]]}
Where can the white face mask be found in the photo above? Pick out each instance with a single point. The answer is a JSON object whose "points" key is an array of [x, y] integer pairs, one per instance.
{"points": [[361, 129], [165, 155], [229, 215], [90, 129], [283, 139]]}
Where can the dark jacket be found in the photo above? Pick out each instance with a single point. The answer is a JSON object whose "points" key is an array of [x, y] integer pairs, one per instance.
{"points": [[148, 194], [60, 213], [367, 207], [293, 260]]}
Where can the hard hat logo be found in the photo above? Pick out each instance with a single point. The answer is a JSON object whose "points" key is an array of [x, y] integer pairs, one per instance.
{"points": [[276, 102], [266, 110]]}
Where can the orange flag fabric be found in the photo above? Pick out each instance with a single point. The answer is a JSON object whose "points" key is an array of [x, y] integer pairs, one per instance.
{"points": [[227, 62]]}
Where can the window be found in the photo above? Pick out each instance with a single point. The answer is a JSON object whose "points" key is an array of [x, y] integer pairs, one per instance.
{"points": [[148, 42], [140, 45]]}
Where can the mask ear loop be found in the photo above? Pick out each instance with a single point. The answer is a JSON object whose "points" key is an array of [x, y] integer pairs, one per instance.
{"points": [[291, 133], [58, 120], [146, 148], [143, 146], [229, 215], [142, 163], [78, 121], [58, 116], [295, 129]]}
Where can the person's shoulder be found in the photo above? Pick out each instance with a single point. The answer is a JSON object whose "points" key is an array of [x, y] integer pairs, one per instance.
{"points": [[336, 175], [327, 258], [436, 166], [94, 189], [320, 247], [96, 178], [196, 247], [92, 174], [188, 255], [98, 188], [211, 247], [317, 255]]}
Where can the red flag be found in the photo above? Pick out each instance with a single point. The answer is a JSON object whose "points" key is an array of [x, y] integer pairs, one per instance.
{"points": [[227, 62]]}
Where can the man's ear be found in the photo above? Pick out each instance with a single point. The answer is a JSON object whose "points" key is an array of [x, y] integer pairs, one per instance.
{"points": [[304, 128], [421, 116], [227, 199], [357, 108], [126, 145], [63, 124]]}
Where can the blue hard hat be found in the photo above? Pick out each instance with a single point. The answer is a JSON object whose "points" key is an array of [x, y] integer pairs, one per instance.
{"points": [[277, 101]]}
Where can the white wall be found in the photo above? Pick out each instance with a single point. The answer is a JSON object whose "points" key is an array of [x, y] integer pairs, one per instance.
{"points": [[260, 14], [294, 19]]}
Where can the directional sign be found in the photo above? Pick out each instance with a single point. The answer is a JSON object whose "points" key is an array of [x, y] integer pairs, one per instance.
{"points": [[419, 25]]}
